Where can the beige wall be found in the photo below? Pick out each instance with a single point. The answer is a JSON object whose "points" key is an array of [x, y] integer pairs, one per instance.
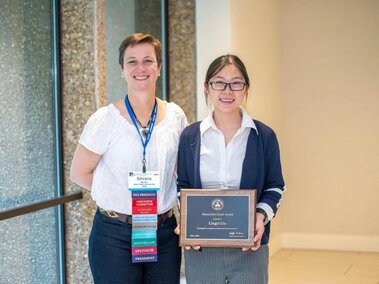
{"points": [[329, 84], [315, 69], [212, 40], [255, 38]]}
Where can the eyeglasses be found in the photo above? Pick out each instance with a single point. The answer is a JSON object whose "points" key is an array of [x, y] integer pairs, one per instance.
{"points": [[221, 86]]}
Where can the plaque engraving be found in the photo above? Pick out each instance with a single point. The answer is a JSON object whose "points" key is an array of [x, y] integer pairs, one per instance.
{"points": [[217, 218]]}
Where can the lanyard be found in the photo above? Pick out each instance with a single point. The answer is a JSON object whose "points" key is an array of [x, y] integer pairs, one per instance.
{"points": [[151, 126]]}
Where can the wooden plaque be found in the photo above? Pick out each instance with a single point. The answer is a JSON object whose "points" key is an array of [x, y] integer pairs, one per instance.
{"points": [[217, 217]]}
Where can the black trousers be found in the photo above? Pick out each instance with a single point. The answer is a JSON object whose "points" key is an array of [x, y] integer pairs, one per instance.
{"points": [[110, 254]]}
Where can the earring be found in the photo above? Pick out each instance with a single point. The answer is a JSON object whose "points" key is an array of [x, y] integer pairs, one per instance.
{"points": [[122, 75]]}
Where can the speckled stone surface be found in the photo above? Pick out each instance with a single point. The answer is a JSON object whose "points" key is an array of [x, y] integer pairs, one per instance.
{"points": [[82, 93], [27, 243], [182, 55], [100, 70]]}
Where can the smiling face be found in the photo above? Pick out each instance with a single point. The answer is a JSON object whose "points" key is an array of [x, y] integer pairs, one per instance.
{"points": [[140, 67], [227, 100]]}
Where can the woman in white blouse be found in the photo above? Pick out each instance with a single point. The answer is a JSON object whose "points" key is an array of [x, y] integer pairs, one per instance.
{"points": [[229, 150], [136, 136]]}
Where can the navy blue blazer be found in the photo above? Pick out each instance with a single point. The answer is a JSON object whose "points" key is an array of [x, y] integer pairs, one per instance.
{"points": [[261, 168]]}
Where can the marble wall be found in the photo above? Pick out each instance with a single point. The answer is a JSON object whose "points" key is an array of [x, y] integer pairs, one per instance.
{"points": [[83, 91]]}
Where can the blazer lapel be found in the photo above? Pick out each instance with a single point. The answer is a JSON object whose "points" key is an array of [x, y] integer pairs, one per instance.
{"points": [[251, 165], [195, 151]]}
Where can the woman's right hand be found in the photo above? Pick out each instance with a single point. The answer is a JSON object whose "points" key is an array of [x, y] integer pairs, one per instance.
{"points": [[177, 231]]}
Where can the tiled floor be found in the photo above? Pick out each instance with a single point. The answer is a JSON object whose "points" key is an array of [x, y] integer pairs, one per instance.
{"points": [[319, 267], [322, 267]]}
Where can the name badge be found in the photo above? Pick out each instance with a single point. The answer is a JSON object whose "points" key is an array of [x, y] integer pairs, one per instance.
{"points": [[144, 181]]}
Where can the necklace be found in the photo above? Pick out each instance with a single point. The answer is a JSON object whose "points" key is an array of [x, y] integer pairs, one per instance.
{"points": [[144, 128]]}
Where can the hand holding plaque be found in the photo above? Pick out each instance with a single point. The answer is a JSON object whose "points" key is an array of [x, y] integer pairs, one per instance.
{"points": [[217, 218]]}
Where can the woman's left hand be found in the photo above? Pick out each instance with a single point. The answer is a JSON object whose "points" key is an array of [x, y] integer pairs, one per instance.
{"points": [[259, 230], [177, 231]]}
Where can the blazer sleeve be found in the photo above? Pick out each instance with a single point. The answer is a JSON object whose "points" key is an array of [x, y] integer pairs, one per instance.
{"points": [[183, 180], [274, 186]]}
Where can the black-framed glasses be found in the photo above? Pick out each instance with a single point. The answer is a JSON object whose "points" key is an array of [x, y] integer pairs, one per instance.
{"points": [[221, 86]]}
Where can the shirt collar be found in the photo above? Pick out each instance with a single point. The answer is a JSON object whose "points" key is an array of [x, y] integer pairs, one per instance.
{"points": [[208, 122], [247, 121]]}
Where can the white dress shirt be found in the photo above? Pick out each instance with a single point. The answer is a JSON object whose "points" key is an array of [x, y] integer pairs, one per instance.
{"points": [[109, 134], [220, 166]]}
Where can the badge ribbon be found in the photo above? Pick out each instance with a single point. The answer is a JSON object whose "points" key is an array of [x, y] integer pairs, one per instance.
{"points": [[144, 187]]}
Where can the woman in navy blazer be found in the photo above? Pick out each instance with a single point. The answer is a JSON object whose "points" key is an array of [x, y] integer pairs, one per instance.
{"points": [[228, 149]]}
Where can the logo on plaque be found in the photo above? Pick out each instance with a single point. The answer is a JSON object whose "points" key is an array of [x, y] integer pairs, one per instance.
{"points": [[217, 204]]}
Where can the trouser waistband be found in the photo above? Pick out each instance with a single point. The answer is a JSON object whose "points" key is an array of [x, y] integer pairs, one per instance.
{"points": [[129, 219]]}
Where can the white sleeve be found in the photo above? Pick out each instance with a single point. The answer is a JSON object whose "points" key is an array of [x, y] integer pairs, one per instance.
{"points": [[97, 132], [179, 113]]}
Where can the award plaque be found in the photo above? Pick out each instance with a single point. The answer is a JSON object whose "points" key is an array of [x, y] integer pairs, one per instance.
{"points": [[217, 218]]}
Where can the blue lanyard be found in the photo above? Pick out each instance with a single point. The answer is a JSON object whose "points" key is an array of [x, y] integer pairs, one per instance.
{"points": [[150, 131]]}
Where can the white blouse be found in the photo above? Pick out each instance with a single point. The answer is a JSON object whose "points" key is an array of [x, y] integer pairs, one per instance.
{"points": [[220, 166], [109, 134]]}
